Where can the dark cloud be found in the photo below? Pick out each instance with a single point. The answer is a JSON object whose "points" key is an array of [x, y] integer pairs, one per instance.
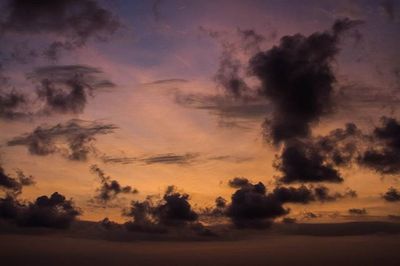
{"points": [[392, 195], [298, 79], [173, 209], [301, 194], [323, 194], [169, 158], [356, 211], [11, 104], [13, 186], [65, 89], [340, 146], [384, 154], [74, 20], [251, 207], [239, 182], [78, 135], [289, 220], [306, 195], [109, 188], [300, 162], [54, 211]]}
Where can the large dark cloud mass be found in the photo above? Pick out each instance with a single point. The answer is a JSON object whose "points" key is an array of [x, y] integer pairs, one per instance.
{"points": [[173, 209], [109, 188], [300, 162], [78, 135], [76, 21], [298, 79], [65, 89]]}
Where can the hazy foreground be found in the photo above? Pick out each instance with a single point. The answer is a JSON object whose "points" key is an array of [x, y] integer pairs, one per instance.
{"points": [[328, 246]]}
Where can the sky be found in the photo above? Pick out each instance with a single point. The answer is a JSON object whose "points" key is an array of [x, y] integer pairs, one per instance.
{"points": [[108, 102]]}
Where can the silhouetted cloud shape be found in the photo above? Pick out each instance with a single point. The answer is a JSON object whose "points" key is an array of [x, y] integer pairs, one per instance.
{"points": [[300, 162], [356, 211], [109, 188], [13, 186], [251, 207], [298, 79], [173, 209], [75, 21], [65, 89], [384, 155], [392, 195], [239, 182], [79, 136], [54, 211], [295, 195]]}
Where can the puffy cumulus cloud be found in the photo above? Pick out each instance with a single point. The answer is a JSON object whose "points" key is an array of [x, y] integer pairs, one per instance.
{"points": [[65, 89], [13, 186], [71, 22], [383, 155], [109, 188], [300, 162], [392, 195], [54, 211], [76, 137], [298, 79], [317, 159], [251, 207], [152, 215]]}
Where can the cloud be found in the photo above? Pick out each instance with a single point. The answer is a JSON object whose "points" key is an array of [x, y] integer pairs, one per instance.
{"points": [[306, 195], [11, 104], [300, 162], [392, 195], [167, 158], [13, 186], [54, 211], [173, 209], [65, 89], [239, 182], [384, 154], [109, 188], [75, 21], [77, 135], [251, 207], [298, 79], [244, 108], [295, 195], [356, 211]]}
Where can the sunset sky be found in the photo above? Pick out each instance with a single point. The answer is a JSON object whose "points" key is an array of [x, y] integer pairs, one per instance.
{"points": [[178, 92]]}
